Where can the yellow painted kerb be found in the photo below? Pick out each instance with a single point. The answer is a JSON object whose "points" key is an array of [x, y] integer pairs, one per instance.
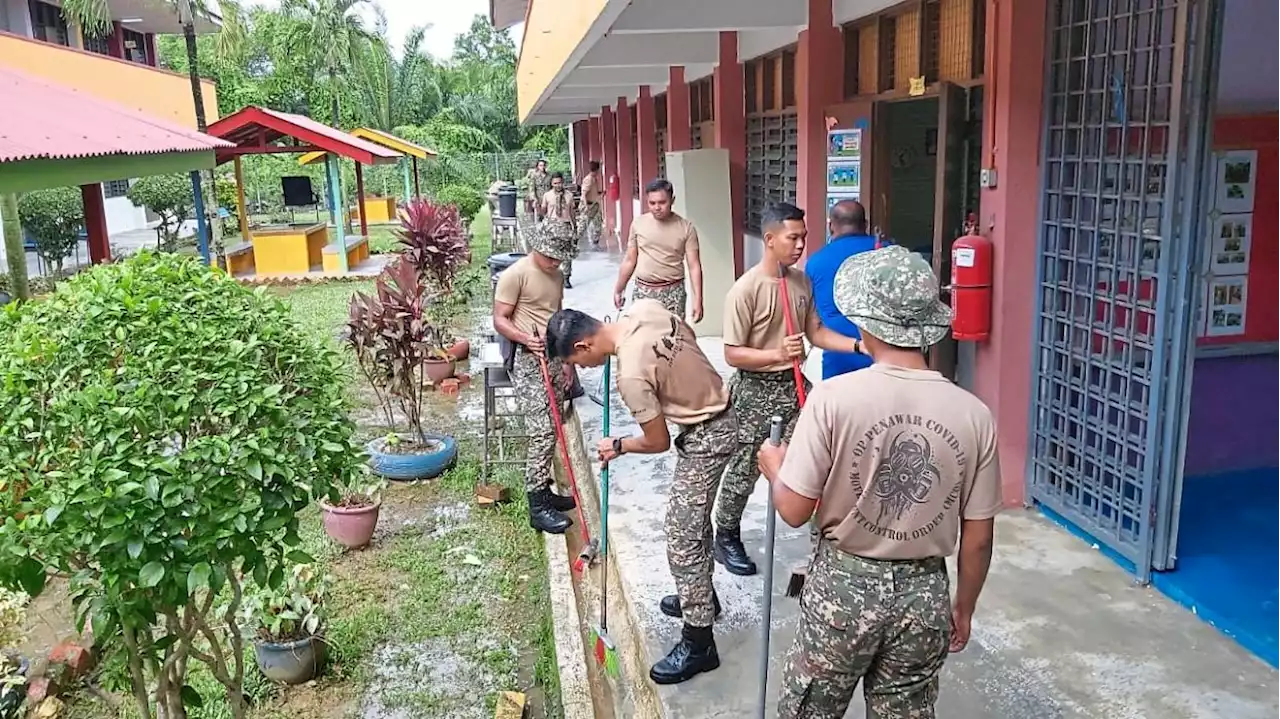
{"points": [[553, 30], [387, 140]]}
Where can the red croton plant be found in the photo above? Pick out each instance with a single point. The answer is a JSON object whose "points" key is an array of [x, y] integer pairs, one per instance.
{"points": [[434, 242]]}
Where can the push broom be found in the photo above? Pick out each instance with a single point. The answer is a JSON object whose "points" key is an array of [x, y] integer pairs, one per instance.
{"points": [[605, 650], [770, 530], [796, 582], [587, 554]]}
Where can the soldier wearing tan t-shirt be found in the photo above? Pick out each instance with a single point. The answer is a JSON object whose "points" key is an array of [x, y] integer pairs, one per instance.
{"points": [[659, 246], [528, 293], [903, 461], [756, 343], [591, 215], [663, 376]]}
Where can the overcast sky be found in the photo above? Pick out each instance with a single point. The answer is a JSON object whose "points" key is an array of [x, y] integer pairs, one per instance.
{"points": [[446, 19]]}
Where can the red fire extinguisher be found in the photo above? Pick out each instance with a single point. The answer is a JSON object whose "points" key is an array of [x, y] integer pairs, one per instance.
{"points": [[971, 270], [613, 188]]}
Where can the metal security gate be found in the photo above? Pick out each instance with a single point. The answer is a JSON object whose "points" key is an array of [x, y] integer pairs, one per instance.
{"points": [[1123, 128]]}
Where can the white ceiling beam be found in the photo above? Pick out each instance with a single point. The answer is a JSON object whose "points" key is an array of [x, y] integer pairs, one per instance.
{"points": [[653, 50], [572, 106], [615, 76], [541, 119], [665, 16], [595, 91]]}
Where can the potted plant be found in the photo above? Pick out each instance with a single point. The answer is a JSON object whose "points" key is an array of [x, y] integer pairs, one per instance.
{"points": [[398, 349], [13, 668], [351, 513], [289, 643], [434, 242]]}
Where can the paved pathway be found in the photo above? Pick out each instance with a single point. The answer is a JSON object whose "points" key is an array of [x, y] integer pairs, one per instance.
{"points": [[1061, 631]]}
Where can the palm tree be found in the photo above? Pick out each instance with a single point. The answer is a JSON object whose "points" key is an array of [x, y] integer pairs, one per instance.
{"points": [[94, 18], [334, 35], [397, 91]]}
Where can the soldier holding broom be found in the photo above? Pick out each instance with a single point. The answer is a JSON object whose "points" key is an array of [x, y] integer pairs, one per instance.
{"points": [[664, 376], [759, 345]]}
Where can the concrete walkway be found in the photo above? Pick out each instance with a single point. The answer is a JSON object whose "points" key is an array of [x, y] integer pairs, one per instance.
{"points": [[1060, 632]]}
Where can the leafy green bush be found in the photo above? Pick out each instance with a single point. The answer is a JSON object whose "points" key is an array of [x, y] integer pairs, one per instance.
{"points": [[171, 198], [54, 217], [466, 199], [161, 426]]}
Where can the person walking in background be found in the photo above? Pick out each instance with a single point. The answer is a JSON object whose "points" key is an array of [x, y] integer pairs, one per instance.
{"points": [[591, 217], [539, 185], [660, 246], [847, 225], [757, 345], [903, 461], [559, 224], [528, 294], [664, 376]]}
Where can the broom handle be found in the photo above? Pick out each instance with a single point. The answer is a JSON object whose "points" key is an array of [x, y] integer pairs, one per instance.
{"points": [[604, 511], [770, 529], [564, 446], [791, 329]]}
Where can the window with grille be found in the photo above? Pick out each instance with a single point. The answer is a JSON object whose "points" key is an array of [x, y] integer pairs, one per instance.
{"points": [[115, 188], [47, 23], [635, 155], [100, 45], [660, 132], [772, 137], [135, 47]]}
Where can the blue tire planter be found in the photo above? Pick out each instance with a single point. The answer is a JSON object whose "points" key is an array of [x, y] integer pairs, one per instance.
{"points": [[412, 466]]}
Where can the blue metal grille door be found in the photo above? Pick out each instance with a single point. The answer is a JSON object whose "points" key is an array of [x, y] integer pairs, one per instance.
{"points": [[1107, 263]]}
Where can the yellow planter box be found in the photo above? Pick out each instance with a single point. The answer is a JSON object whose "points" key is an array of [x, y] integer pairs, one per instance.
{"points": [[378, 209]]}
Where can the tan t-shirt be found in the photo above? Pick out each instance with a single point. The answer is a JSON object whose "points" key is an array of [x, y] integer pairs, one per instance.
{"points": [[753, 315], [662, 371], [661, 247], [897, 457], [536, 294], [590, 188], [559, 207]]}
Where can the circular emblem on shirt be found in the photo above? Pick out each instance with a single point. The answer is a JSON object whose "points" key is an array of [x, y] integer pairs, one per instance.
{"points": [[907, 473]]}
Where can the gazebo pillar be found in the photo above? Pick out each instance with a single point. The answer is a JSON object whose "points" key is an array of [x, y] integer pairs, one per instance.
{"points": [[335, 208], [408, 187], [417, 189], [364, 222], [95, 223], [242, 211]]}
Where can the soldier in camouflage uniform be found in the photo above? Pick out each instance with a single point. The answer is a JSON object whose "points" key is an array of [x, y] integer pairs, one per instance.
{"points": [[539, 185], [903, 461], [591, 213], [663, 377], [559, 224], [756, 343], [674, 297], [661, 245], [527, 295]]}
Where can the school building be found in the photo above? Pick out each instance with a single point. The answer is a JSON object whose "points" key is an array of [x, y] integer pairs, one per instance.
{"points": [[120, 67], [1119, 154]]}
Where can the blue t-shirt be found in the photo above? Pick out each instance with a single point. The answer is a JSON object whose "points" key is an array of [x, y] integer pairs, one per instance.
{"points": [[821, 268]]}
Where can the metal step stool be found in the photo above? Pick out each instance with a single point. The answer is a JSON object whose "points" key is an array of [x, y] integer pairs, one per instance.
{"points": [[505, 436]]}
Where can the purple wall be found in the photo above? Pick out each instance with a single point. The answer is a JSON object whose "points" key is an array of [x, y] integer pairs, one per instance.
{"points": [[1233, 421]]}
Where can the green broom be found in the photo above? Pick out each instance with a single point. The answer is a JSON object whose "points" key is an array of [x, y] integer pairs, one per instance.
{"points": [[605, 650]]}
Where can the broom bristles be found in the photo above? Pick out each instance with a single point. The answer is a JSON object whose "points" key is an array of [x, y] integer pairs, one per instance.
{"points": [[606, 654]]}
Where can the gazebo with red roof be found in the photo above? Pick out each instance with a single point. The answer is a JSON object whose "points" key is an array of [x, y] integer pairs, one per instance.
{"points": [[256, 131]]}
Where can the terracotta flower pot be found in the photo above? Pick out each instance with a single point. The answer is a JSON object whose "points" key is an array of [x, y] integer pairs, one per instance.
{"points": [[460, 350], [352, 527], [439, 370]]}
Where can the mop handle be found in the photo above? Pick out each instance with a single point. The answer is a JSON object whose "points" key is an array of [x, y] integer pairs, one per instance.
{"points": [[604, 505], [791, 329], [770, 528]]}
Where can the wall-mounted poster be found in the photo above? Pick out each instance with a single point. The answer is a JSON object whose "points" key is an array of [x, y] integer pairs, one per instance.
{"points": [[1229, 246], [844, 144], [833, 199], [844, 176], [1226, 303], [1237, 172]]}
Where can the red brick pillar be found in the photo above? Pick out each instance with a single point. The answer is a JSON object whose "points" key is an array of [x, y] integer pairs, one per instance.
{"points": [[95, 223], [579, 148], [609, 165], [819, 83], [678, 135], [626, 167], [646, 139], [731, 135]]}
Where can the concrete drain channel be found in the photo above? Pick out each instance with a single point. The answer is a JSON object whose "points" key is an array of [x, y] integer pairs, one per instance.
{"points": [[586, 690]]}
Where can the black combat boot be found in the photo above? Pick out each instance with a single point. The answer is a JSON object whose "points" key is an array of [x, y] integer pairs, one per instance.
{"points": [[728, 551], [670, 605], [694, 654], [543, 516], [567, 284], [562, 502]]}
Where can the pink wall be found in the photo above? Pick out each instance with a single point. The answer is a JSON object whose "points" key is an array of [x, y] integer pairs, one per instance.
{"points": [[1013, 97]]}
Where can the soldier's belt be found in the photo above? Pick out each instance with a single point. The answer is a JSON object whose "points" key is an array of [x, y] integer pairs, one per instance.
{"points": [[659, 285], [782, 375], [884, 568]]}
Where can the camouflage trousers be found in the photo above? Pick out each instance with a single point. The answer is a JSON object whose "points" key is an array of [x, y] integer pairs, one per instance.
{"points": [[884, 623], [673, 296], [756, 397], [532, 391], [702, 451], [591, 222]]}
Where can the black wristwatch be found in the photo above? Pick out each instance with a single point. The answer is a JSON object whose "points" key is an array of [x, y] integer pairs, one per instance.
{"points": [[617, 446]]}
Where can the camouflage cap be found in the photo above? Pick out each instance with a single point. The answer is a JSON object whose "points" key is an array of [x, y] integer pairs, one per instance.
{"points": [[892, 294], [543, 241]]}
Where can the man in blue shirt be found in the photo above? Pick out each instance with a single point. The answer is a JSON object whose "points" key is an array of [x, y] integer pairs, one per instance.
{"points": [[848, 228]]}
